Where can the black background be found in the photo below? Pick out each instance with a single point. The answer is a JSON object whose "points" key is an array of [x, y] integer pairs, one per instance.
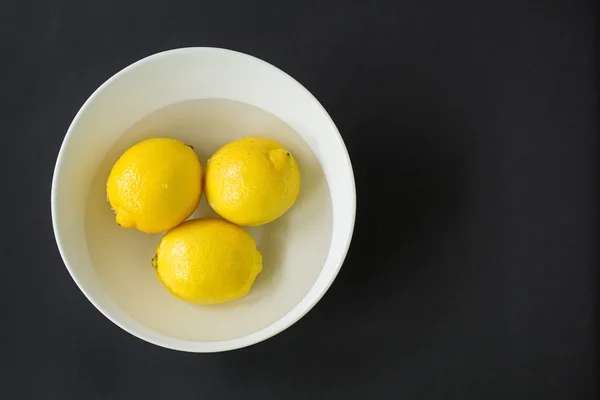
{"points": [[472, 127]]}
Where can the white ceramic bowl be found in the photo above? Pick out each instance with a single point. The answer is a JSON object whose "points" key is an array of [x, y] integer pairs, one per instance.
{"points": [[206, 97]]}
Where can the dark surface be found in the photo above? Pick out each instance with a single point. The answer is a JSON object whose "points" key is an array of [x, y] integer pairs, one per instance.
{"points": [[472, 127]]}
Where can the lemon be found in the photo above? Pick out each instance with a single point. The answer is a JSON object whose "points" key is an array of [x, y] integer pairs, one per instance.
{"points": [[207, 261], [252, 181], [155, 185]]}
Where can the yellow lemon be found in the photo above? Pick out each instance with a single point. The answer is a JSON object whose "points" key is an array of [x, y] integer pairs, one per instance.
{"points": [[252, 181], [207, 261], [155, 185]]}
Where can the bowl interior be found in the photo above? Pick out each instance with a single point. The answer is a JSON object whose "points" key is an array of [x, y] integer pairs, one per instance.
{"points": [[205, 97], [294, 246]]}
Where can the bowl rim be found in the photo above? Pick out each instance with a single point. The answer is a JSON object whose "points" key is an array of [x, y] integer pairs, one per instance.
{"points": [[290, 317]]}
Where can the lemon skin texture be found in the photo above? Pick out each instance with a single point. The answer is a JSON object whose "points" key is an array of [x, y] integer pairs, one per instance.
{"points": [[252, 181], [207, 261], [155, 185]]}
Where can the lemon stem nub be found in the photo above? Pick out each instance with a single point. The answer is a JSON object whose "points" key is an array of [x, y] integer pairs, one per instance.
{"points": [[154, 261]]}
